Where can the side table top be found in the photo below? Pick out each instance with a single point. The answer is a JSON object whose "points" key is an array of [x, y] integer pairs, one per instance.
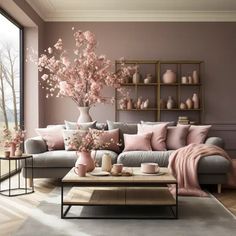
{"points": [[24, 156]]}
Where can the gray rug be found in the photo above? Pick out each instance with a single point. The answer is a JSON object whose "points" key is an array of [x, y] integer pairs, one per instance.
{"points": [[197, 217]]}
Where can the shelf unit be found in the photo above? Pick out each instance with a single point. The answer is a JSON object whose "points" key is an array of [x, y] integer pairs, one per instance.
{"points": [[180, 90]]}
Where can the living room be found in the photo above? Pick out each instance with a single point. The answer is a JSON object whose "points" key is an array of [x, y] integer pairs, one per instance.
{"points": [[115, 112]]}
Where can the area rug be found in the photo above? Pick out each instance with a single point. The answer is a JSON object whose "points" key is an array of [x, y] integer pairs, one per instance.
{"points": [[197, 216]]}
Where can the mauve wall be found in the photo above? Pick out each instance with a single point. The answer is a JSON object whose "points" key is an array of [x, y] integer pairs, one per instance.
{"points": [[214, 43]]}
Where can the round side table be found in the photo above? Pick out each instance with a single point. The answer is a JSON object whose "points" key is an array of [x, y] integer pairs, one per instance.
{"points": [[22, 186]]}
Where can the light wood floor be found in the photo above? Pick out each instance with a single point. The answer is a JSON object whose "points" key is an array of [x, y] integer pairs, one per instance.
{"points": [[13, 210]]}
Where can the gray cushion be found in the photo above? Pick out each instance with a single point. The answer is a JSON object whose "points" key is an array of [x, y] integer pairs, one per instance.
{"points": [[135, 158], [170, 123], [124, 128], [62, 158], [81, 126]]}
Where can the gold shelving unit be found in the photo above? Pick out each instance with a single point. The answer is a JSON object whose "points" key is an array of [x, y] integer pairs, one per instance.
{"points": [[159, 86]]}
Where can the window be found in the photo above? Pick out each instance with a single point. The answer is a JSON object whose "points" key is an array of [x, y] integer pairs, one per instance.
{"points": [[11, 76]]}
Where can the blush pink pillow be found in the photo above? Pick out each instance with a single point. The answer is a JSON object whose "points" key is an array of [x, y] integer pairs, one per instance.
{"points": [[176, 137], [110, 138], [53, 136], [198, 133], [137, 142], [158, 137]]}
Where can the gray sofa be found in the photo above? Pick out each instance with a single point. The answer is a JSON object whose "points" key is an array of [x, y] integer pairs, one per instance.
{"points": [[55, 164]]}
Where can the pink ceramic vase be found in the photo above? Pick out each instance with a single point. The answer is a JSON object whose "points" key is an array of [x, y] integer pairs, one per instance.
{"points": [[169, 77], [86, 159], [12, 149]]}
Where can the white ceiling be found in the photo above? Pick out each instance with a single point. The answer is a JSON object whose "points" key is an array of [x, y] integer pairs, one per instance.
{"points": [[135, 10]]}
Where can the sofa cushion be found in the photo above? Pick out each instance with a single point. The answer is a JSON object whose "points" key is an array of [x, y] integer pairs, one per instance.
{"points": [[52, 136], [197, 133], [176, 137], [135, 142], [62, 158], [124, 128], [169, 123], [82, 126], [135, 158], [158, 135]]}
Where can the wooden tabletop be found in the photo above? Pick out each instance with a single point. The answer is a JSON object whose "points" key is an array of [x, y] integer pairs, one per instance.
{"points": [[137, 178]]}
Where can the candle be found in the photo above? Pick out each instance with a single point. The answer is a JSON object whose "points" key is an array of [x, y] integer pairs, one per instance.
{"points": [[106, 162]]}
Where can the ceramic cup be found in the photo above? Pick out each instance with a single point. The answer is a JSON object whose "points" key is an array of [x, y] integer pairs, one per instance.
{"points": [[117, 168], [7, 154], [150, 168], [80, 170]]}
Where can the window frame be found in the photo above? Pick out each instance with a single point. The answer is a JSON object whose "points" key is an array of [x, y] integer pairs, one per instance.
{"points": [[21, 76]]}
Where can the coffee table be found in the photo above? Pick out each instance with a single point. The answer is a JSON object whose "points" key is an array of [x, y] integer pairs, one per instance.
{"points": [[135, 190]]}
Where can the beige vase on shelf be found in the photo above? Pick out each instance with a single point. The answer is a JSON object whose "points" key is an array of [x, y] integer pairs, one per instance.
{"points": [[182, 106], [139, 102], [195, 77], [184, 80], [195, 100], [148, 79], [189, 103], [129, 104], [136, 77], [146, 104], [170, 103], [169, 77]]}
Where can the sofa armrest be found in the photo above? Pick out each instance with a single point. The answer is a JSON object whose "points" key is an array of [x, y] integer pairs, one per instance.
{"points": [[35, 145], [215, 141]]}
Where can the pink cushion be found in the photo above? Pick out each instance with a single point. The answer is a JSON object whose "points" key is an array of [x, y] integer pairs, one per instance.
{"points": [[176, 137], [137, 142], [159, 135], [53, 137], [197, 133], [110, 139]]}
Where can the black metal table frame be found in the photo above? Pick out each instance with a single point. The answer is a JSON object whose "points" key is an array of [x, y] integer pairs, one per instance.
{"points": [[25, 189], [95, 184]]}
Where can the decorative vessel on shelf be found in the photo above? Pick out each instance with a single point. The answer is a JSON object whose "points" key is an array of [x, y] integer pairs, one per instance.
{"points": [[189, 103], [184, 80], [195, 77], [148, 79], [139, 102], [195, 100], [190, 79], [146, 104], [136, 76], [169, 77], [129, 104], [162, 104], [182, 106], [170, 103]]}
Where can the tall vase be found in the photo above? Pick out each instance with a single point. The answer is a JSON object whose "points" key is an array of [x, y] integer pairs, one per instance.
{"points": [[12, 149], [86, 159], [84, 115]]}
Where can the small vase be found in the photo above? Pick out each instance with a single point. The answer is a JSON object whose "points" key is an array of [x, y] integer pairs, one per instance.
{"points": [[170, 103], [190, 80], [182, 106], [136, 77], [146, 104], [84, 115], [184, 80], [86, 159], [169, 77], [18, 152], [139, 102], [195, 77], [162, 104], [195, 100], [148, 79], [189, 103], [12, 149], [106, 162], [129, 104]]}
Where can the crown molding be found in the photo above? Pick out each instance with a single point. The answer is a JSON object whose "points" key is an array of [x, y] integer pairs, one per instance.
{"points": [[142, 16]]}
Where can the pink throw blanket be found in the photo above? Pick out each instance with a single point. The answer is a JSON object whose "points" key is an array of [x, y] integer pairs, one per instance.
{"points": [[183, 165]]}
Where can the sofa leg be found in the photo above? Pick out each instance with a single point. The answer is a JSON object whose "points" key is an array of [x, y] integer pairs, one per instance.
{"points": [[219, 188], [30, 182]]}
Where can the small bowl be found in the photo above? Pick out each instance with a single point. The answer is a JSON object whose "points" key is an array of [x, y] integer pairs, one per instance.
{"points": [[150, 168]]}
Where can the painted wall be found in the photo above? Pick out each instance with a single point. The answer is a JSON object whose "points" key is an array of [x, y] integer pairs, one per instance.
{"points": [[214, 43]]}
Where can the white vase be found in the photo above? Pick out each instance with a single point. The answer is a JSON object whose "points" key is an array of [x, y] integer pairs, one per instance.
{"points": [[84, 115]]}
